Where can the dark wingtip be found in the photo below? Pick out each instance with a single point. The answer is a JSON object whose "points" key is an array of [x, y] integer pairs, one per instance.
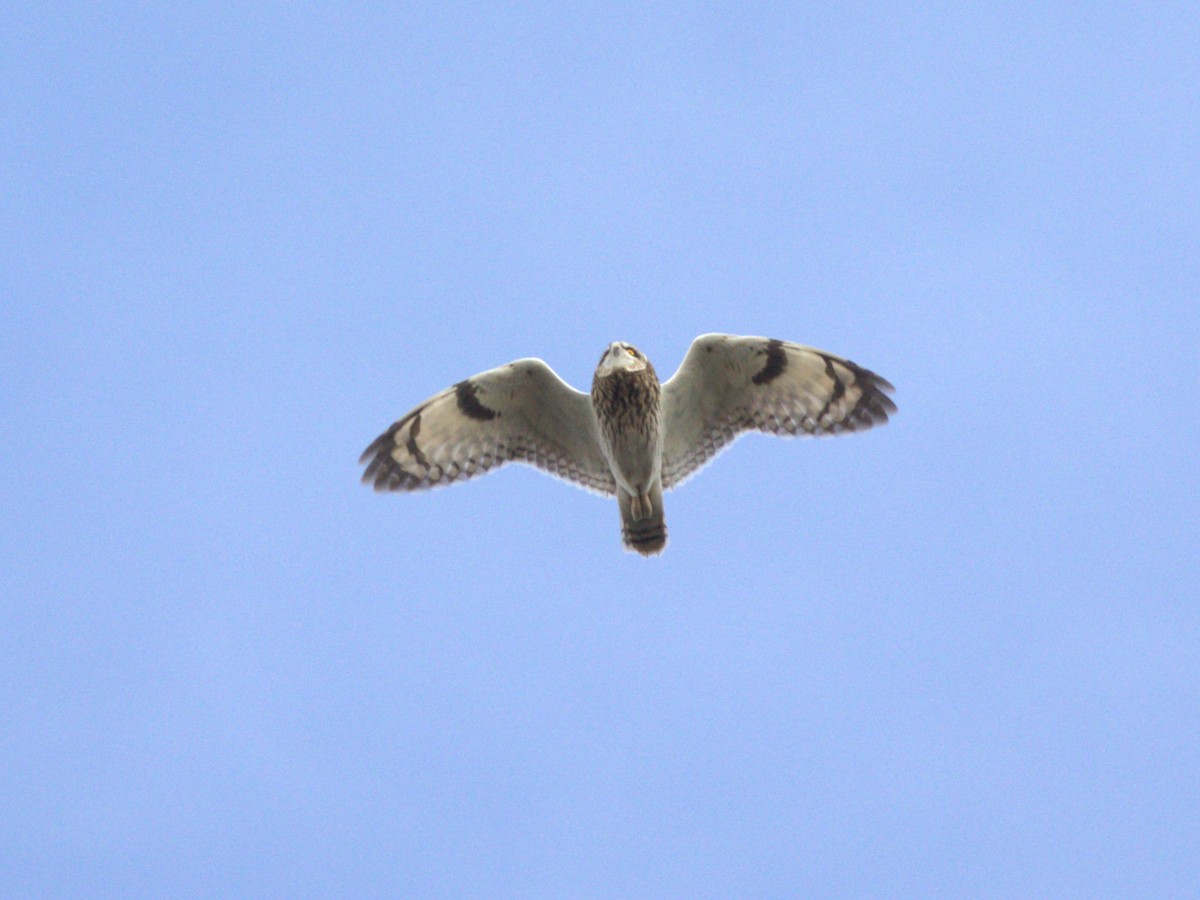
{"points": [[373, 450], [874, 406], [382, 472]]}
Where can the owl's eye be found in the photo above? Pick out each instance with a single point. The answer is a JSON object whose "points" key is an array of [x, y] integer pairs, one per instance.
{"points": [[631, 351]]}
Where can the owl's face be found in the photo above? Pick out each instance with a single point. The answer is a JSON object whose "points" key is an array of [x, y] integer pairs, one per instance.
{"points": [[620, 357]]}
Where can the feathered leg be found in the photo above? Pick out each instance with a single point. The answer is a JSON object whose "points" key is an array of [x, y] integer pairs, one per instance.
{"points": [[643, 527]]}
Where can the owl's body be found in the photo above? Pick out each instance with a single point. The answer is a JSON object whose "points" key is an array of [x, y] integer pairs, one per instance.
{"points": [[631, 436], [627, 400]]}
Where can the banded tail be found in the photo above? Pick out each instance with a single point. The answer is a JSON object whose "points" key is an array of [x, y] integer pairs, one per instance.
{"points": [[643, 528]]}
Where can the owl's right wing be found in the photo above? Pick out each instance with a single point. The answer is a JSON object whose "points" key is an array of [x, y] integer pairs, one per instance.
{"points": [[522, 412]]}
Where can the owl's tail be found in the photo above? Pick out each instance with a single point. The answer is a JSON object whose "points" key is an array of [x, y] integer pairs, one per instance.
{"points": [[643, 527]]}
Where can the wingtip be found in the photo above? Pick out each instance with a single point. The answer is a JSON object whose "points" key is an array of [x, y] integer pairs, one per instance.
{"points": [[875, 406]]}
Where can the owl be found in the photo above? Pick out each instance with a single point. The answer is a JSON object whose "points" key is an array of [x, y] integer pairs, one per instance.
{"points": [[631, 436]]}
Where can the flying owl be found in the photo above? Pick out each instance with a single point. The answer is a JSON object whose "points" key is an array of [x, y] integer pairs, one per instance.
{"points": [[632, 436]]}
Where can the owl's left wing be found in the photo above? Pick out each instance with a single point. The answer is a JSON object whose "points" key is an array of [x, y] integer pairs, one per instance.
{"points": [[728, 385], [521, 412]]}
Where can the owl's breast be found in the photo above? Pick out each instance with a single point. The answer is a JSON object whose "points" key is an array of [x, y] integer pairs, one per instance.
{"points": [[628, 411]]}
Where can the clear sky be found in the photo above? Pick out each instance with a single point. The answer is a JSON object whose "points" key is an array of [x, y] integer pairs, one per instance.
{"points": [[959, 655]]}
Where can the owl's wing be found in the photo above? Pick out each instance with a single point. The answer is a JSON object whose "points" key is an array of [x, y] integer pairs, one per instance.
{"points": [[522, 411], [728, 385]]}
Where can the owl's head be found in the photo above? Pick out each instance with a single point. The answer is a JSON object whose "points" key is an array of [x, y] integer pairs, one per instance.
{"points": [[621, 357]]}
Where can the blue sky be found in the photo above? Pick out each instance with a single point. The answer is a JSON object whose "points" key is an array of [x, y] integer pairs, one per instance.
{"points": [[959, 655]]}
